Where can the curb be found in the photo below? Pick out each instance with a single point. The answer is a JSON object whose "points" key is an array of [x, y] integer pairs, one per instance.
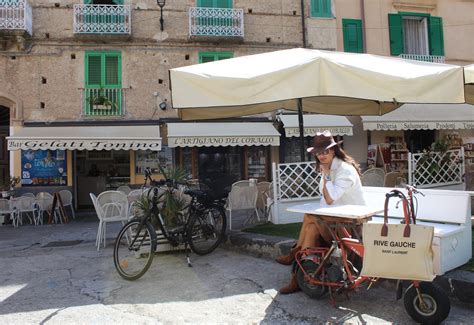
{"points": [[458, 284]]}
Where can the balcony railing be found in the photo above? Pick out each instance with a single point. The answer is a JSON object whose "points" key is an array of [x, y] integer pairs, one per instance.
{"points": [[16, 15], [103, 101], [426, 58], [221, 22], [102, 19]]}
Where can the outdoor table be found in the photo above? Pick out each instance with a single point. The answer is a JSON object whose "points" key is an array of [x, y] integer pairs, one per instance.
{"points": [[348, 213]]}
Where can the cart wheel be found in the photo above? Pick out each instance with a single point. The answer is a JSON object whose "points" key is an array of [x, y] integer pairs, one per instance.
{"points": [[314, 291], [435, 307]]}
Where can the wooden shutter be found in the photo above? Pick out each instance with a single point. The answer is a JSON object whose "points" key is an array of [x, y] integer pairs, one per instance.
{"points": [[214, 56], [93, 70], [112, 75], [321, 8], [352, 32], [436, 37], [395, 27], [205, 3]]}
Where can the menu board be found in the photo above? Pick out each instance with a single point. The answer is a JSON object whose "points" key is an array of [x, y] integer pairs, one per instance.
{"points": [[43, 167]]}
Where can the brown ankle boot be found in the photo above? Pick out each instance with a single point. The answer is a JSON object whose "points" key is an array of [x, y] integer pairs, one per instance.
{"points": [[291, 287], [288, 259]]}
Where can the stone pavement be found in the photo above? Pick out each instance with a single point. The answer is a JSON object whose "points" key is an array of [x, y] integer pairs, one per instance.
{"points": [[456, 283], [53, 274]]}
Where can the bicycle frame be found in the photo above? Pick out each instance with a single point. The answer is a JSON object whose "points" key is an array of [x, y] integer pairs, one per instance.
{"points": [[347, 244]]}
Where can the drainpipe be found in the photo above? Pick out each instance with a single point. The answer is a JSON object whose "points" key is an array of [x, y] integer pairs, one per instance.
{"points": [[362, 16], [303, 24]]}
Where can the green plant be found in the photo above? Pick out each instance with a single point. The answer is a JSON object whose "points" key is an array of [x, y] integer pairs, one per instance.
{"points": [[101, 99], [9, 182], [171, 202]]}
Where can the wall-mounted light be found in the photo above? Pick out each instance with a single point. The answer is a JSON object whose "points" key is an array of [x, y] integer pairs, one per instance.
{"points": [[161, 4], [162, 106]]}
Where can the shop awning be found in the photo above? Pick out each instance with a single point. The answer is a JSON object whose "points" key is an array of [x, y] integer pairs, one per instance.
{"points": [[423, 117], [222, 134], [337, 125], [136, 137]]}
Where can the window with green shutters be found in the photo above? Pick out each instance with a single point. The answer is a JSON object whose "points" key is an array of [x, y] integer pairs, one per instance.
{"points": [[401, 37], [214, 56], [352, 33], [103, 83], [215, 3], [321, 8]]}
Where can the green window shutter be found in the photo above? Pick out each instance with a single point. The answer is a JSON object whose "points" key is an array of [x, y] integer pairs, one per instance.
{"points": [[112, 76], [93, 69], [215, 3], [352, 32], [214, 56], [321, 8], [436, 38], [395, 28]]}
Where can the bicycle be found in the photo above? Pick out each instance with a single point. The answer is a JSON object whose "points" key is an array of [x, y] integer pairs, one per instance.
{"points": [[324, 270], [200, 226]]}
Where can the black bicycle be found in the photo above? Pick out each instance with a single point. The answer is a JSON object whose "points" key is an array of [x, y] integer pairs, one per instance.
{"points": [[200, 226]]}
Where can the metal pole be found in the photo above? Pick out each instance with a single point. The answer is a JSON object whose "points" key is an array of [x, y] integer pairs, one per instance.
{"points": [[303, 24], [301, 127], [161, 18]]}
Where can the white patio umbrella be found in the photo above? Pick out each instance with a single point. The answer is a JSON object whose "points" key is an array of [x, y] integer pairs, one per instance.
{"points": [[312, 81], [469, 83]]}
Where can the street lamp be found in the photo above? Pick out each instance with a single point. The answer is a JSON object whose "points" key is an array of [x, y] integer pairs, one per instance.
{"points": [[161, 4]]}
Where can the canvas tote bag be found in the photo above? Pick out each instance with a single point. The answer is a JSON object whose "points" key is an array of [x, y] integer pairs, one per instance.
{"points": [[398, 251]]}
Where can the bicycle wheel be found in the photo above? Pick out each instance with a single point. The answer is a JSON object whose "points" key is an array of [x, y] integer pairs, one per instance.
{"points": [[207, 230], [134, 249]]}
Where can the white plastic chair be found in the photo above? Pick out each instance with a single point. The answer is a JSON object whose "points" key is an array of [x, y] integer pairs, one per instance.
{"points": [[242, 183], [124, 188], [242, 198], [373, 177], [26, 204], [111, 206], [66, 198], [44, 201], [8, 207]]}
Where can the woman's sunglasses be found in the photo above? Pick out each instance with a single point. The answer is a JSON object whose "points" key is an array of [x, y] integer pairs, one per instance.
{"points": [[322, 153]]}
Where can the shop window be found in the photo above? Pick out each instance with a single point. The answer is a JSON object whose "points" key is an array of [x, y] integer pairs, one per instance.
{"points": [[43, 168], [153, 160], [352, 32], [257, 162], [321, 9], [103, 83], [415, 33], [214, 56], [292, 149]]}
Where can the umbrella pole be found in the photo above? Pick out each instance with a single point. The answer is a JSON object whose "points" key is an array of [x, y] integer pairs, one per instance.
{"points": [[300, 125]]}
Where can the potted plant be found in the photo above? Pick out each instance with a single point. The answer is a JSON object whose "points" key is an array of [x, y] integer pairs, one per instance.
{"points": [[100, 100], [7, 185], [171, 204]]}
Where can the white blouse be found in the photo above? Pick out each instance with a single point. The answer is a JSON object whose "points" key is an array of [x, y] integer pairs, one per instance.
{"points": [[345, 186]]}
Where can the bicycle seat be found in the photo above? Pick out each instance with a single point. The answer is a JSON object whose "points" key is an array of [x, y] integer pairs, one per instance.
{"points": [[200, 195]]}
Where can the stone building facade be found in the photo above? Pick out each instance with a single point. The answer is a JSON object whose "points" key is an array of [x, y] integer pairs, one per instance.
{"points": [[72, 65]]}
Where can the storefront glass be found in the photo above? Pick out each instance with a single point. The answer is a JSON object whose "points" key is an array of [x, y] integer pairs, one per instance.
{"points": [[43, 168], [153, 159]]}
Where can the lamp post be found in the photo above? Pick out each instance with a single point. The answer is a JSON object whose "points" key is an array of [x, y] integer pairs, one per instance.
{"points": [[161, 4]]}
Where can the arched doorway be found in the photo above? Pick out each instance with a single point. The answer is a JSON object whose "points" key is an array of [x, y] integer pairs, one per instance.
{"points": [[4, 132]]}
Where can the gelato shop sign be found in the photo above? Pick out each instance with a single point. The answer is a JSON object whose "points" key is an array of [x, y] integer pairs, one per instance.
{"points": [[95, 144]]}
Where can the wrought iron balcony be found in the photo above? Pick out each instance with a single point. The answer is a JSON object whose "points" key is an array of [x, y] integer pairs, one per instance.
{"points": [[216, 22], [103, 101], [102, 19], [16, 15], [426, 58]]}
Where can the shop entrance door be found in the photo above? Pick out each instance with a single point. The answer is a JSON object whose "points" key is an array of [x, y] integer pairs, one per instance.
{"points": [[4, 132], [219, 167], [418, 140]]}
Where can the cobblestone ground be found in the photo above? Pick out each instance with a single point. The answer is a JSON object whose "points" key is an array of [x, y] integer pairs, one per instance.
{"points": [[77, 284]]}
